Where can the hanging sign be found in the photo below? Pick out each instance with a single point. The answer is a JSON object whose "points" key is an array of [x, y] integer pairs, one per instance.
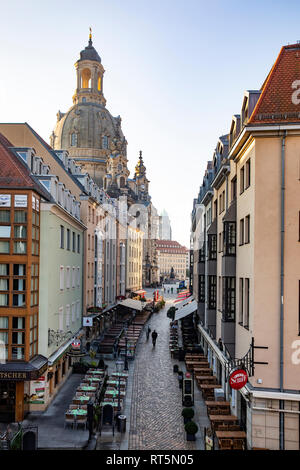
{"points": [[87, 321], [238, 379]]}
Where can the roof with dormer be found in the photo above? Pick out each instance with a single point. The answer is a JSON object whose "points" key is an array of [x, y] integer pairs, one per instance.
{"points": [[280, 94]]}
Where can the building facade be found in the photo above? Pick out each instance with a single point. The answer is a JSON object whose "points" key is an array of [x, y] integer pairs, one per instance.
{"points": [[247, 277], [171, 256]]}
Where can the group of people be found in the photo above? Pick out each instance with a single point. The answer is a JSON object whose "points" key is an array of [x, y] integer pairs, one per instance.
{"points": [[153, 335]]}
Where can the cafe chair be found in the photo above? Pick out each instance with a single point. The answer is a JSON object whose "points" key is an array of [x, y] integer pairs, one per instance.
{"points": [[70, 419], [81, 421], [234, 427], [225, 444], [238, 444]]}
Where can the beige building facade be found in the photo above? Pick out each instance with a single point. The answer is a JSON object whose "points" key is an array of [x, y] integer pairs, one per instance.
{"points": [[171, 256], [250, 310]]}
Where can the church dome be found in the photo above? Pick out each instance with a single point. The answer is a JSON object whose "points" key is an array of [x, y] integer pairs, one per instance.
{"points": [[91, 123]]}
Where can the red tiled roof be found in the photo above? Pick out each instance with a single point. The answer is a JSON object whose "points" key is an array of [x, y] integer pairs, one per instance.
{"points": [[170, 246], [13, 174], [279, 98]]}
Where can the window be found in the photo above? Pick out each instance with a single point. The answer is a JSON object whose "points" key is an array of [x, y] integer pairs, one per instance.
{"points": [[67, 316], [4, 247], [77, 310], [228, 299], [241, 231], [73, 312], [78, 243], [61, 278], [61, 318], [242, 180], [247, 301], [20, 216], [20, 231], [3, 300], [68, 239], [247, 229], [68, 277], [74, 139], [212, 247], [241, 300], [20, 248], [229, 238], [201, 254], [78, 276], [248, 176], [233, 188], [73, 242], [62, 236], [4, 216], [104, 142], [201, 288], [73, 276], [4, 231], [212, 292]]}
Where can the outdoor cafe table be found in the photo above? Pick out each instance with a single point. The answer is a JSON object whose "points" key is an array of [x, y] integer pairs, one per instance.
{"points": [[87, 388], [203, 370], [120, 374], [82, 399], [78, 411], [114, 393], [116, 382], [188, 357], [223, 419], [190, 365], [219, 404], [231, 434], [111, 403], [96, 372], [206, 378], [93, 379]]}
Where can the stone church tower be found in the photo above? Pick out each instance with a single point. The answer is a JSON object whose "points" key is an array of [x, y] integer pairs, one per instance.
{"points": [[92, 136]]}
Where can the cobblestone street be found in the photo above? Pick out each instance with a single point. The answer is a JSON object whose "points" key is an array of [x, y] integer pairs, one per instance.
{"points": [[156, 422]]}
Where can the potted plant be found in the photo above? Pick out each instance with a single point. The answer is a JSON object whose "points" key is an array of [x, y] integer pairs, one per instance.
{"points": [[191, 429], [188, 414]]}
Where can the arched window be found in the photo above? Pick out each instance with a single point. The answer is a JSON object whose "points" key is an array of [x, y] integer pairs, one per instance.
{"points": [[74, 139], [86, 78], [122, 182], [99, 83]]}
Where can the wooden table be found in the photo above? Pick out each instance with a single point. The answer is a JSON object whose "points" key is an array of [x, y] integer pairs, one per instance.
{"points": [[219, 404], [191, 364], [203, 371], [210, 386], [114, 393], [206, 379], [188, 357], [231, 434], [223, 419]]}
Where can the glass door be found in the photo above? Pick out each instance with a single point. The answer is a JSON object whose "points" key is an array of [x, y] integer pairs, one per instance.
{"points": [[7, 401]]}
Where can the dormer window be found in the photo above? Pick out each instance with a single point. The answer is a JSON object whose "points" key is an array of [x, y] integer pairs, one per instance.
{"points": [[74, 139]]}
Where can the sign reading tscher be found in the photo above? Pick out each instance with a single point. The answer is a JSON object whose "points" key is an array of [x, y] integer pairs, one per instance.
{"points": [[238, 379]]}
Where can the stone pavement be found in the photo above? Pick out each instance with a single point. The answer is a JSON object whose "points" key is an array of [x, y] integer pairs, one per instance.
{"points": [[156, 422]]}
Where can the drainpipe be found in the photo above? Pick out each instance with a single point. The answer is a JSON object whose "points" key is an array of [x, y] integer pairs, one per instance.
{"points": [[281, 402]]}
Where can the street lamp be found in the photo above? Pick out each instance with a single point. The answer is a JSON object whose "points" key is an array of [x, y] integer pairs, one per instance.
{"points": [[126, 359]]}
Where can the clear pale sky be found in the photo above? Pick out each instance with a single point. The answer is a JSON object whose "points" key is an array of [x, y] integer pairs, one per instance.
{"points": [[175, 72]]}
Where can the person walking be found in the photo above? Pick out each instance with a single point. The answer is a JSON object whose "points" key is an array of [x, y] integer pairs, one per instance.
{"points": [[154, 337], [148, 332]]}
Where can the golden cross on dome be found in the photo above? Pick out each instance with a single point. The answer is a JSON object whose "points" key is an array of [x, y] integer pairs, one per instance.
{"points": [[90, 36]]}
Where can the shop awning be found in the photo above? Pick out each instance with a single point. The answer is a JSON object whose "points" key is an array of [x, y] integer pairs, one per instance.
{"points": [[133, 304], [186, 310], [24, 370], [181, 303], [141, 291]]}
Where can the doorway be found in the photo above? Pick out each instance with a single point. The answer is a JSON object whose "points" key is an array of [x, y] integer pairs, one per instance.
{"points": [[7, 401]]}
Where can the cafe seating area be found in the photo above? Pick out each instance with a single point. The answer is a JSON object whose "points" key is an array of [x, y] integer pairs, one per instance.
{"points": [[115, 391], [225, 426], [89, 390], [108, 343]]}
